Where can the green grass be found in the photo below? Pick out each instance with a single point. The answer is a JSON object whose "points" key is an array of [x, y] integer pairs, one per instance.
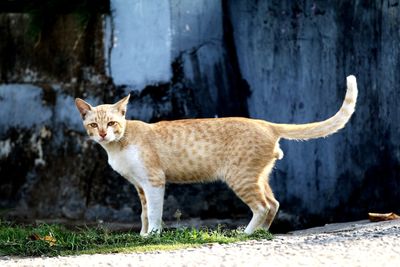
{"points": [[54, 240]]}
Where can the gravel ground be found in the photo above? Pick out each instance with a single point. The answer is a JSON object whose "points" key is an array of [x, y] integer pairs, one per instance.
{"points": [[346, 244]]}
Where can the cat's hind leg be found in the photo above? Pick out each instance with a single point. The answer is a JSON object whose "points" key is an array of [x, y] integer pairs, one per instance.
{"points": [[251, 192], [273, 203], [143, 216]]}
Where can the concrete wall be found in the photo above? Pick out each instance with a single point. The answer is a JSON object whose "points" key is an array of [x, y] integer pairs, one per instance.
{"points": [[295, 57]]}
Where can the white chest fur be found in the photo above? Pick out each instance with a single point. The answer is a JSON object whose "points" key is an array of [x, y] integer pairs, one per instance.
{"points": [[128, 162]]}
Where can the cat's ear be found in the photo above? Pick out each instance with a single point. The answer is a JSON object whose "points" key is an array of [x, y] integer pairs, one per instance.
{"points": [[83, 107], [121, 105]]}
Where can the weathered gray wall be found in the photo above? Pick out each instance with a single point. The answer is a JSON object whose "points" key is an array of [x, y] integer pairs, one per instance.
{"points": [[283, 61], [295, 56]]}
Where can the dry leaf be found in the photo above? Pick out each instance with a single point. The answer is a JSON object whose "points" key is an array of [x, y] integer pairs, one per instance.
{"points": [[34, 236], [48, 238], [377, 217]]}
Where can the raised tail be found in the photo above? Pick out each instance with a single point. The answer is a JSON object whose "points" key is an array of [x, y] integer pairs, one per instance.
{"points": [[326, 127]]}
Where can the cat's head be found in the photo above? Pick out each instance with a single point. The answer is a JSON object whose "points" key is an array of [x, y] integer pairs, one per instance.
{"points": [[104, 123]]}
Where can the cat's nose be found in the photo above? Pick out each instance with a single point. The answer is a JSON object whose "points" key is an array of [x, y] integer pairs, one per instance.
{"points": [[103, 134]]}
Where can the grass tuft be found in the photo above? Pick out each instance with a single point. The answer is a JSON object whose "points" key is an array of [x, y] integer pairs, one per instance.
{"points": [[55, 240]]}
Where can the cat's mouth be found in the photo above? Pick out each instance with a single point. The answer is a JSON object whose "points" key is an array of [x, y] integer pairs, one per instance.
{"points": [[103, 139]]}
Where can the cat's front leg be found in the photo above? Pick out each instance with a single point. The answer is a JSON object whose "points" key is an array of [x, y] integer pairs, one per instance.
{"points": [[155, 199], [143, 216]]}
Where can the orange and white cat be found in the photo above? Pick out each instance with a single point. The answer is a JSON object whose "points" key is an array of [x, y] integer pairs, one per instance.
{"points": [[238, 151]]}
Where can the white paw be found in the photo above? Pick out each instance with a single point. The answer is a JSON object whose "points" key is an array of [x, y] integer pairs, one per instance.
{"points": [[152, 232]]}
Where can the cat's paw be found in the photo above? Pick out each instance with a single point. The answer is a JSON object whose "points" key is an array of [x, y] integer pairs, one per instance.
{"points": [[143, 234], [150, 233]]}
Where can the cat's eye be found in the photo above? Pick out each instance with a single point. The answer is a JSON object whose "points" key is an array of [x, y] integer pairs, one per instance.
{"points": [[93, 125], [111, 123]]}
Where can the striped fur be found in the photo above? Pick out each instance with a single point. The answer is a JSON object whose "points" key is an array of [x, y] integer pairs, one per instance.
{"points": [[238, 151]]}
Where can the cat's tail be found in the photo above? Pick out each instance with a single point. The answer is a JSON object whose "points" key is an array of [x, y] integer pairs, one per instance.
{"points": [[326, 127]]}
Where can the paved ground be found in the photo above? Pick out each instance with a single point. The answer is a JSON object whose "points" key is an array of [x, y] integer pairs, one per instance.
{"points": [[348, 244]]}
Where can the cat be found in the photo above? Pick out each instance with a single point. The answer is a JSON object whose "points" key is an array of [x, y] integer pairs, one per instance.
{"points": [[238, 151]]}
